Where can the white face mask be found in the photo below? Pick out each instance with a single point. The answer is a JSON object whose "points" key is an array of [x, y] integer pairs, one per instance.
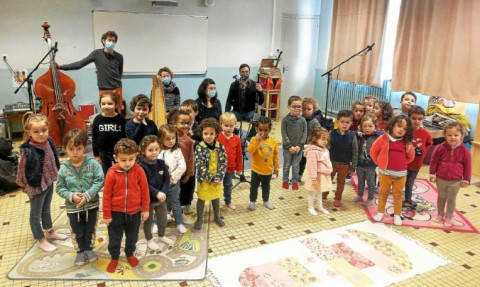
{"points": [[110, 45]]}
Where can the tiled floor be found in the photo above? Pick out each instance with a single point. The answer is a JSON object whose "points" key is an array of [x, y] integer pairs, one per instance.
{"points": [[246, 230]]}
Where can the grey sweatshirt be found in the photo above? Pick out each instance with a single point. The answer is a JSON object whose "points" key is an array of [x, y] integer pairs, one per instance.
{"points": [[294, 131]]}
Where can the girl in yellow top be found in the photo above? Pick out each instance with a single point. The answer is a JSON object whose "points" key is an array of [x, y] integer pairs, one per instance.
{"points": [[264, 152], [211, 164]]}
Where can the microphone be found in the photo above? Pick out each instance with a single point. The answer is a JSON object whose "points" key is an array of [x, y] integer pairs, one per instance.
{"points": [[235, 77], [370, 47]]}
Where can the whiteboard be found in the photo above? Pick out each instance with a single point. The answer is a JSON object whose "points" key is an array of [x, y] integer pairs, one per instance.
{"points": [[149, 41]]}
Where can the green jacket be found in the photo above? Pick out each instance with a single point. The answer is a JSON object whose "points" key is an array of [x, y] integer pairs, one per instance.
{"points": [[87, 179]]}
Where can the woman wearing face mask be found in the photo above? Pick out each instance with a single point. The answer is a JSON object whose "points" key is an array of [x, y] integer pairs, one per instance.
{"points": [[109, 64], [208, 104], [170, 89]]}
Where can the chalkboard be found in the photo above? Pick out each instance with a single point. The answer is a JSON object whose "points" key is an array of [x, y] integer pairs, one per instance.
{"points": [[149, 41]]}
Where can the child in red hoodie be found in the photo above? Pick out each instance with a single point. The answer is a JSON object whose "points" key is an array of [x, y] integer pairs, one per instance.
{"points": [[450, 168], [126, 200]]}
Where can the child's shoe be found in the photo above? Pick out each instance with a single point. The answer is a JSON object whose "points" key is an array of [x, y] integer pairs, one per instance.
{"points": [[232, 206], [268, 205], [312, 211], [187, 219], [294, 186], [197, 225], [133, 261], [438, 219], [447, 222], [46, 246], [218, 220], [251, 206], [337, 203], [357, 198], [181, 228], [323, 210], [169, 218], [166, 240], [52, 234], [378, 216], [80, 259], [285, 185], [368, 202], [397, 220], [91, 255], [188, 209], [112, 266], [152, 244]]}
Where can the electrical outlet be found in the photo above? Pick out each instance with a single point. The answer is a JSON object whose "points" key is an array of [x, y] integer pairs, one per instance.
{"points": [[4, 57]]}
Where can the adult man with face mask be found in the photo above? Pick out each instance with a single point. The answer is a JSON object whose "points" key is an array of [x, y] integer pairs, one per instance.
{"points": [[109, 64]]}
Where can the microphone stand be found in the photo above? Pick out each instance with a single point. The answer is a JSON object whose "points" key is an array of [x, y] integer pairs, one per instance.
{"points": [[329, 72]]}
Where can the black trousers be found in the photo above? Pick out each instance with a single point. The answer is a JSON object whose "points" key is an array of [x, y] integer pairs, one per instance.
{"points": [[122, 222], [256, 179], [83, 226], [186, 191], [303, 163]]}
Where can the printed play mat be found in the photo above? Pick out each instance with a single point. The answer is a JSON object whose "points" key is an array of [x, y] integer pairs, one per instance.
{"points": [[184, 260], [360, 254], [425, 194]]}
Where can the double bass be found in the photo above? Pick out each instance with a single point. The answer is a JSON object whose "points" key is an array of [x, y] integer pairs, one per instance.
{"points": [[56, 91]]}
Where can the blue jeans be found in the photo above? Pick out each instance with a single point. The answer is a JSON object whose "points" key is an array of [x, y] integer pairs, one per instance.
{"points": [[40, 210], [411, 176], [291, 160], [227, 187], [173, 202]]}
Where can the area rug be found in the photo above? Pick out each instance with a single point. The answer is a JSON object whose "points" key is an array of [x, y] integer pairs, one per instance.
{"points": [[184, 260], [360, 254], [425, 194]]}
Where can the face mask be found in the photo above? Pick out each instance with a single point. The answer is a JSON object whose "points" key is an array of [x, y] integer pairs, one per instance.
{"points": [[212, 93], [109, 45], [244, 77], [166, 80]]}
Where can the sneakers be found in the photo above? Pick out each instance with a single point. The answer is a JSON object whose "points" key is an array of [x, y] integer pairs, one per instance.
{"points": [[187, 219], [285, 185], [378, 216], [52, 234], [251, 206], [181, 228], [231, 206], [323, 210], [80, 259], [295, 186], [112, 266], [152, 244], [166, 240], [133, 261], [368, 202], [169, 218], [358, 198], [268, 205], [337, 203], [397, 220], [46, 246], [438, 219], [409, 204], [91, 255], [312, 211]]}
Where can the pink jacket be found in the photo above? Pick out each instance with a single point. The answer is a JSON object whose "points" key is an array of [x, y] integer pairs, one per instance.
{"points": [[318, 161], [453, 164], [380, 150]]}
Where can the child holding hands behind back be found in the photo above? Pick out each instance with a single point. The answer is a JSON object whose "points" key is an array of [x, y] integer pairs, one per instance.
{"points": [[392, 152], [319, 168], [451, 169], [126, 201], [80, 178]]}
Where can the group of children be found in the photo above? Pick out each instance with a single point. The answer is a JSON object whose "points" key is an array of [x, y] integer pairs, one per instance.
{"points": [[157, 168]]}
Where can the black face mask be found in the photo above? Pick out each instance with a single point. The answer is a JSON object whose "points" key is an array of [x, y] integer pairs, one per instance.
{"points": [[244, 77]]}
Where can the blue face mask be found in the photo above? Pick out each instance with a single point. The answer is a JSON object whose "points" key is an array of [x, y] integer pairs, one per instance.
{"points": [[211, 93], [109, 45], [166, 80]]}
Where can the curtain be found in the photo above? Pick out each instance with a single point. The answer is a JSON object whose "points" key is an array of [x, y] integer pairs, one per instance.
{"points": [[356, 24], [435, 49]]}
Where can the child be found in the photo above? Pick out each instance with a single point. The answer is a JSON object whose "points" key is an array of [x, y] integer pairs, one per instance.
{"points": [[140, 125], [294, 137], [158, 184], [450, 168], [422, 141], [233, 148], [358, 111], [181, 120], [369, 103], [80, 178], [37, 171], [319, 168], [170, 90], [392, 152], [211, 164], [309, 106], [384, 113], [407, 100], [107, 129], [343, 151], [365, 166], [175, 161], [265, 161], [126, 200], [192, 108]]}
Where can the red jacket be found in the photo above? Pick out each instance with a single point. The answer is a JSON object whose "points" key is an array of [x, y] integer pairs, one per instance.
{"points": [[233, 147], [422, 140], [380, 151], [453, 164], [125, 192]]}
